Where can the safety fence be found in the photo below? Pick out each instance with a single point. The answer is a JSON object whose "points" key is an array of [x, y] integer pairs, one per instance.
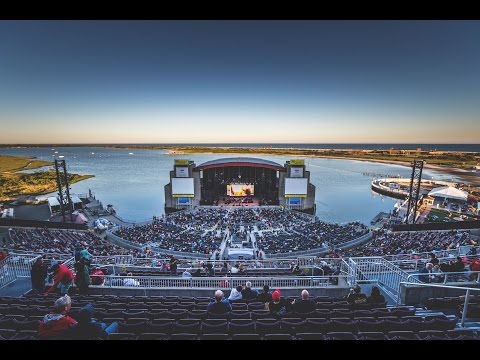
{"points": [[155, 282], [377, 269], [466, 289], [16, 266]]}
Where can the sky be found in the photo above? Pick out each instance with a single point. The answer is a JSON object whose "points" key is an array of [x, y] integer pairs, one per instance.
{"points": [[239, 82]]}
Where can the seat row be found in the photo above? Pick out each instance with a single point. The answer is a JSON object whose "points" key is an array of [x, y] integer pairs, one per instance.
{"points": [[261, 326], [392, 335]]}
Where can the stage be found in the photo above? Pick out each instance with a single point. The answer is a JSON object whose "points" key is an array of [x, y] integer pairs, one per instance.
{"points": [[238, 201]]}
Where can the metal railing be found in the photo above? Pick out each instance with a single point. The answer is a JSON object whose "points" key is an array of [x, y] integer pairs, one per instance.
{"points": [[445, 277], [386, 274], [225, 283], [16, 266], [466, 289]]}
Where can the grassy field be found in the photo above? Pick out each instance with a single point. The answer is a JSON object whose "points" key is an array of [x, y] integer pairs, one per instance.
{"points": [[14, 163], [13, 183]]}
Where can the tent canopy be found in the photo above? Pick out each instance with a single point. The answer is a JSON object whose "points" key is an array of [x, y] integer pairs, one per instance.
{"points": [[449, 192]]}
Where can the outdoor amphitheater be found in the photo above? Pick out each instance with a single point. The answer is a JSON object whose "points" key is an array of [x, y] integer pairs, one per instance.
{"points": [[239, 261]]}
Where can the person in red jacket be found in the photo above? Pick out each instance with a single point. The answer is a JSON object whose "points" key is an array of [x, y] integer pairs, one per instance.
{"points": [[474, 266], [57, 324], [63, 278]]}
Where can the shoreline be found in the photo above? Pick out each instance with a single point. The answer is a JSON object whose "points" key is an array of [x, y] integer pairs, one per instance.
{"points": [[17, 185], [468, 177]]}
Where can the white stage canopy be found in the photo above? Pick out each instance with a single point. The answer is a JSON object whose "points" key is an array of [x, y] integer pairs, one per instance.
{"points": [[449, 192]]}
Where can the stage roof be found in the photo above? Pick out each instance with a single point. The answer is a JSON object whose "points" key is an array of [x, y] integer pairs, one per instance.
{"points": [[240, 161], [449, 192]]}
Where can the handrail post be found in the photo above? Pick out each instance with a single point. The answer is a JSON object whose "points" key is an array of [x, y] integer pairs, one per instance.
{"points": [[465, 307]]}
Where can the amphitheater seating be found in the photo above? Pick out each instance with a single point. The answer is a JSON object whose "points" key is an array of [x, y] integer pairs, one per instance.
{"points": [[139, 318]]}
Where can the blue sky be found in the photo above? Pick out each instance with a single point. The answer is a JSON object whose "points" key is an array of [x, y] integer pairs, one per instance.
{"points": [[239, 81]]}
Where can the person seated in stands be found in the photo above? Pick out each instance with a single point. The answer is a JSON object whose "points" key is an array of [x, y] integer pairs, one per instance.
{"points": [[472, 251], [242, 270], [474, 266], [436, 274], [173, 265], [236, 293], [235, 269], [63, 278], [265, 296], [220, 305], [97, 277], [224, 269], [356, 296], [248, 293], [458, 266], [296, 270], [327, 270], [38, 275], [425, 271], [197, 273], [57, 324], [88, 328], [305, 305], [209, 269], [186, 274], [130, 281], [279, 307], [376, 297]]}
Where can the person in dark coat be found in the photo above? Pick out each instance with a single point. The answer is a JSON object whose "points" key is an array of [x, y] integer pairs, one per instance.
{"points": [[265, 296], [38, 275], [248, 293], [356, 296], [375, 297], [279, 307], [305, 305], [88, 328], [220, 305], [82, 276]]}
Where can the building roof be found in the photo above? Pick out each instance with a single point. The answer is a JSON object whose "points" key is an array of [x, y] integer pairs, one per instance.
{"points": [[240, 161], [53, 201], [449, 192]]}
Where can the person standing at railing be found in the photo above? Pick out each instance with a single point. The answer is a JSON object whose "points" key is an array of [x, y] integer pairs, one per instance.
{"points": [[173, 265], [38, 274], [82, 277]]}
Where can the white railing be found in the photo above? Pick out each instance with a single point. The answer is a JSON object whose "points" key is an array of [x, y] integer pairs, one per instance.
{"points": [[386, 274], [466, 289], [16, 266], [7, 275], [446, 277], [225, 283]]}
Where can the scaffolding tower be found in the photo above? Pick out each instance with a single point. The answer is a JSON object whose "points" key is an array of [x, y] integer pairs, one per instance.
{"points": [[414, 192], [66, 204]]}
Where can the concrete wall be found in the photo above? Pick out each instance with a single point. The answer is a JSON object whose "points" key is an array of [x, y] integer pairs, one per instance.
{"points": [[131, 291], [413, 295]]}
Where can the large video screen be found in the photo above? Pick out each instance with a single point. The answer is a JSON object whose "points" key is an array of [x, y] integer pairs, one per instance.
{"points": [[182, 186], [296, 186], [240, 190]]}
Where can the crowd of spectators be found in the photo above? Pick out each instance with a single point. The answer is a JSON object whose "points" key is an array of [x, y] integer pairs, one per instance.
{"points": [[386, 242], [48, 241]]}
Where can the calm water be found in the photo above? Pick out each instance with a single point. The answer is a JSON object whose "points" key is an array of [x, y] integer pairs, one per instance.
{"points": [[134, 184]]}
